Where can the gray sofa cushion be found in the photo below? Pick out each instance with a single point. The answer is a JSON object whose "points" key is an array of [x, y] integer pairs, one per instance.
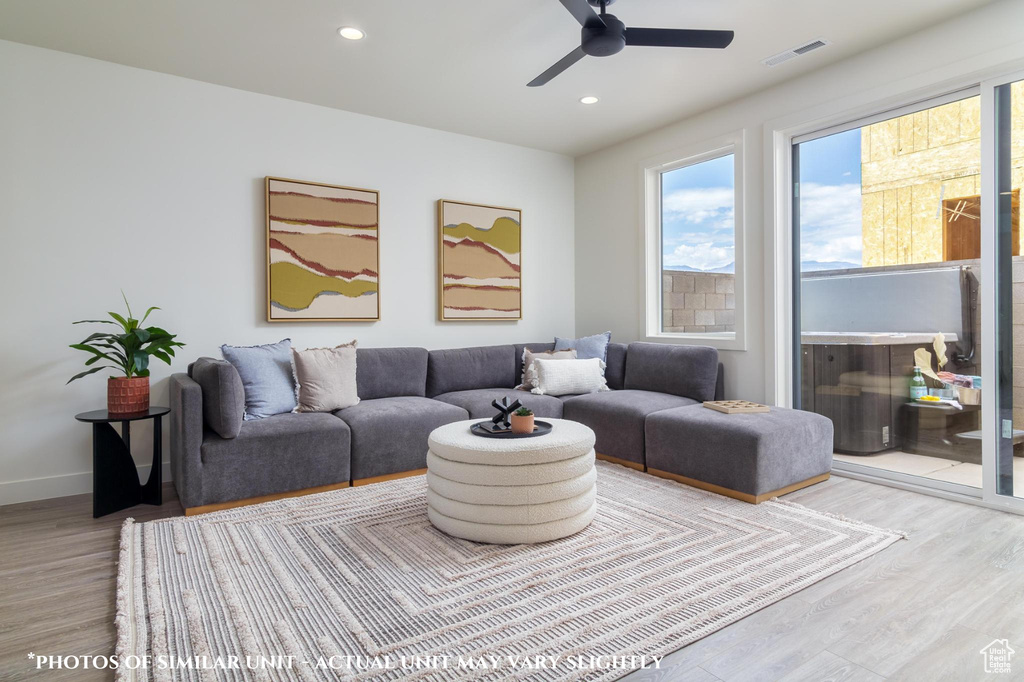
{"points": [[615, 372], [277, 454], [223, 395], [617, 418], [389, 435], [688, 371], [389, 372], [477, 402], [460, 369], [749, 453], [520, 347]]}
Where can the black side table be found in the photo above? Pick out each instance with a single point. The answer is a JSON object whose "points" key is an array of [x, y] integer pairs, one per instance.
{"points": [[115, 480]]}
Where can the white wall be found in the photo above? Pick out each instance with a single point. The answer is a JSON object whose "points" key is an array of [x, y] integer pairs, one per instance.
{"points": [[113, 177], [608, 235]]}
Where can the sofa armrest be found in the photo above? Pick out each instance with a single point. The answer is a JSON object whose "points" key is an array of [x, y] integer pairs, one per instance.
{"points": [[186, 439], [720, 383]]}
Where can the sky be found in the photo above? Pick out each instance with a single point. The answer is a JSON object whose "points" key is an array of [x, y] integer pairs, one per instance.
{"points": [[830, 217], [698, 219]]}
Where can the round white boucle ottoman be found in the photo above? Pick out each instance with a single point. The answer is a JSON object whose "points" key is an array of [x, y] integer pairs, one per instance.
{"points": [[511, 491]]}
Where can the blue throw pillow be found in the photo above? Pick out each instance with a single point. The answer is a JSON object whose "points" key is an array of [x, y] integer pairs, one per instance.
{"points": [[595, 346], [267, 377]]}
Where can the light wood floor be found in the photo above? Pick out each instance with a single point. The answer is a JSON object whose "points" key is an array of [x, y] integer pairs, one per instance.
{"points": [[920, 610]]}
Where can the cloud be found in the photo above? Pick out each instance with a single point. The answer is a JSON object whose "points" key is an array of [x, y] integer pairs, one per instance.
{"points": [[700, 205], [710, 218], [830, 225], [830, 222], [671, 238], [706, 256], [845, 249]]}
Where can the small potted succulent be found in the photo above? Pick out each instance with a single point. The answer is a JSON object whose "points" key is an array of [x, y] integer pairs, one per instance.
{"points": [[522, 420], [127, 352]]}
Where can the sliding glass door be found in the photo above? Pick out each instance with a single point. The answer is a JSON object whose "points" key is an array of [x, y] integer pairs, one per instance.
{"points": [[888, 268], [908, 291]]}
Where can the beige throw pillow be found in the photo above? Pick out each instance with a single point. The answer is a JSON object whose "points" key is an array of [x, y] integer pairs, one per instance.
{"points": [[529, 378], [325, 378]]}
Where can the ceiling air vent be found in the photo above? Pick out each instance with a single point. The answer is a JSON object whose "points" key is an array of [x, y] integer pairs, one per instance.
{"points": [[777, 59]]}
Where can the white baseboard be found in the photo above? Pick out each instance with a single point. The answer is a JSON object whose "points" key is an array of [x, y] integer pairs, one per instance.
{"points": [[29, 490]]}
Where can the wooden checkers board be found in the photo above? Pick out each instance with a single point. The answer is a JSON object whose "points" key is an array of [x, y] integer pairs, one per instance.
{"points": [[736, 406]]}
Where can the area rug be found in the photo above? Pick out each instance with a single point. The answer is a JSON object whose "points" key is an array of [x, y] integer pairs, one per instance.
{"points": [[356, 584]]}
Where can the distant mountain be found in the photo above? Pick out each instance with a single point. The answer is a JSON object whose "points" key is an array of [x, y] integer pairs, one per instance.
{"points": [[805, 266], [815, 265], [686, 268]]}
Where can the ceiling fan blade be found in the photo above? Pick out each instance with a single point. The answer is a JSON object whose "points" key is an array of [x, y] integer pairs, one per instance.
{"points": [[678, 37], [583, 12], [560, 66]]}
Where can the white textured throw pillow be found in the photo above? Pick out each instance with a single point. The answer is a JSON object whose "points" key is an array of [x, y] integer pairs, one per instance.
{"points": [[569, 377], [529, 379], [325, 378]]}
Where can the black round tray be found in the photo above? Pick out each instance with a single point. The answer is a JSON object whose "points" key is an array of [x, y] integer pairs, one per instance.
{"points": [[540, 428]]}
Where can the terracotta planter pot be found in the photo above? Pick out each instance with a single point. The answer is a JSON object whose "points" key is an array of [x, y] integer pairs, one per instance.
{"points": [[127, 395], [522, 424]]}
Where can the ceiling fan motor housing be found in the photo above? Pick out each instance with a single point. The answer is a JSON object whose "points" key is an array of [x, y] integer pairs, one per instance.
{"points": [[603, 35], [606, 40]]}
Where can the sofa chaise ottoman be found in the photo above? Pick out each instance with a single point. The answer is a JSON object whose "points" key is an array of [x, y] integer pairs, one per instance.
{"points": [[750, 457]]}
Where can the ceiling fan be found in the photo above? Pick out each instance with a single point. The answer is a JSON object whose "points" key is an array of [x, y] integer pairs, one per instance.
{"points": [[604, 35]]}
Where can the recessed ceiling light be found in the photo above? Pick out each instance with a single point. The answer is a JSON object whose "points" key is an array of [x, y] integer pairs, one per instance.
{"points": [[589, 99], [351, 33]]}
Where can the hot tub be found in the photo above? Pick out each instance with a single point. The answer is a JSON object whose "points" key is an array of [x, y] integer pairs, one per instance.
{"points": [[860, 380]]}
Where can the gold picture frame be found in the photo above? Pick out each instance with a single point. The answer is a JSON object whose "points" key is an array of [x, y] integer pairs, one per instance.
{"points": [[479, 262], [321, 264]]}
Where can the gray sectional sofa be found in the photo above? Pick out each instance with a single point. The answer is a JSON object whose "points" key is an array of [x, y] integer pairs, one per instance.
{"points": [[405, 393], [644, 422]]}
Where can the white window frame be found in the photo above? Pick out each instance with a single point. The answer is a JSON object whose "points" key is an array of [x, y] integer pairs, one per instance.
{"points": [[651, 307]]}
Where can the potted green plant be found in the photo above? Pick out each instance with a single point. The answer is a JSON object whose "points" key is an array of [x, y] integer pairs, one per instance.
{"points": [[522, 420], [126, 351]]}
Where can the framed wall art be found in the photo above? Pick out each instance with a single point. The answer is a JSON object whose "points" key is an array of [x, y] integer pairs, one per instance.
{"points": [[479, 262], [322, 252]]}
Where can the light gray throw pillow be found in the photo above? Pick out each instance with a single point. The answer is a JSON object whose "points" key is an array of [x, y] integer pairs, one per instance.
{"points": [[595, 346], [223, 395], [326, 378], [266, 373], [569, 377]]}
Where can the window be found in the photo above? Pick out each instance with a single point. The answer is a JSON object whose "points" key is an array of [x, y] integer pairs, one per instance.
{"points": [[961, 227], [693, 247]]}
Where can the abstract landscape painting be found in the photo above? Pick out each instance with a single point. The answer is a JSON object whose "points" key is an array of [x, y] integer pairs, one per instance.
{"points": [[322, 255], [479, 258]]}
